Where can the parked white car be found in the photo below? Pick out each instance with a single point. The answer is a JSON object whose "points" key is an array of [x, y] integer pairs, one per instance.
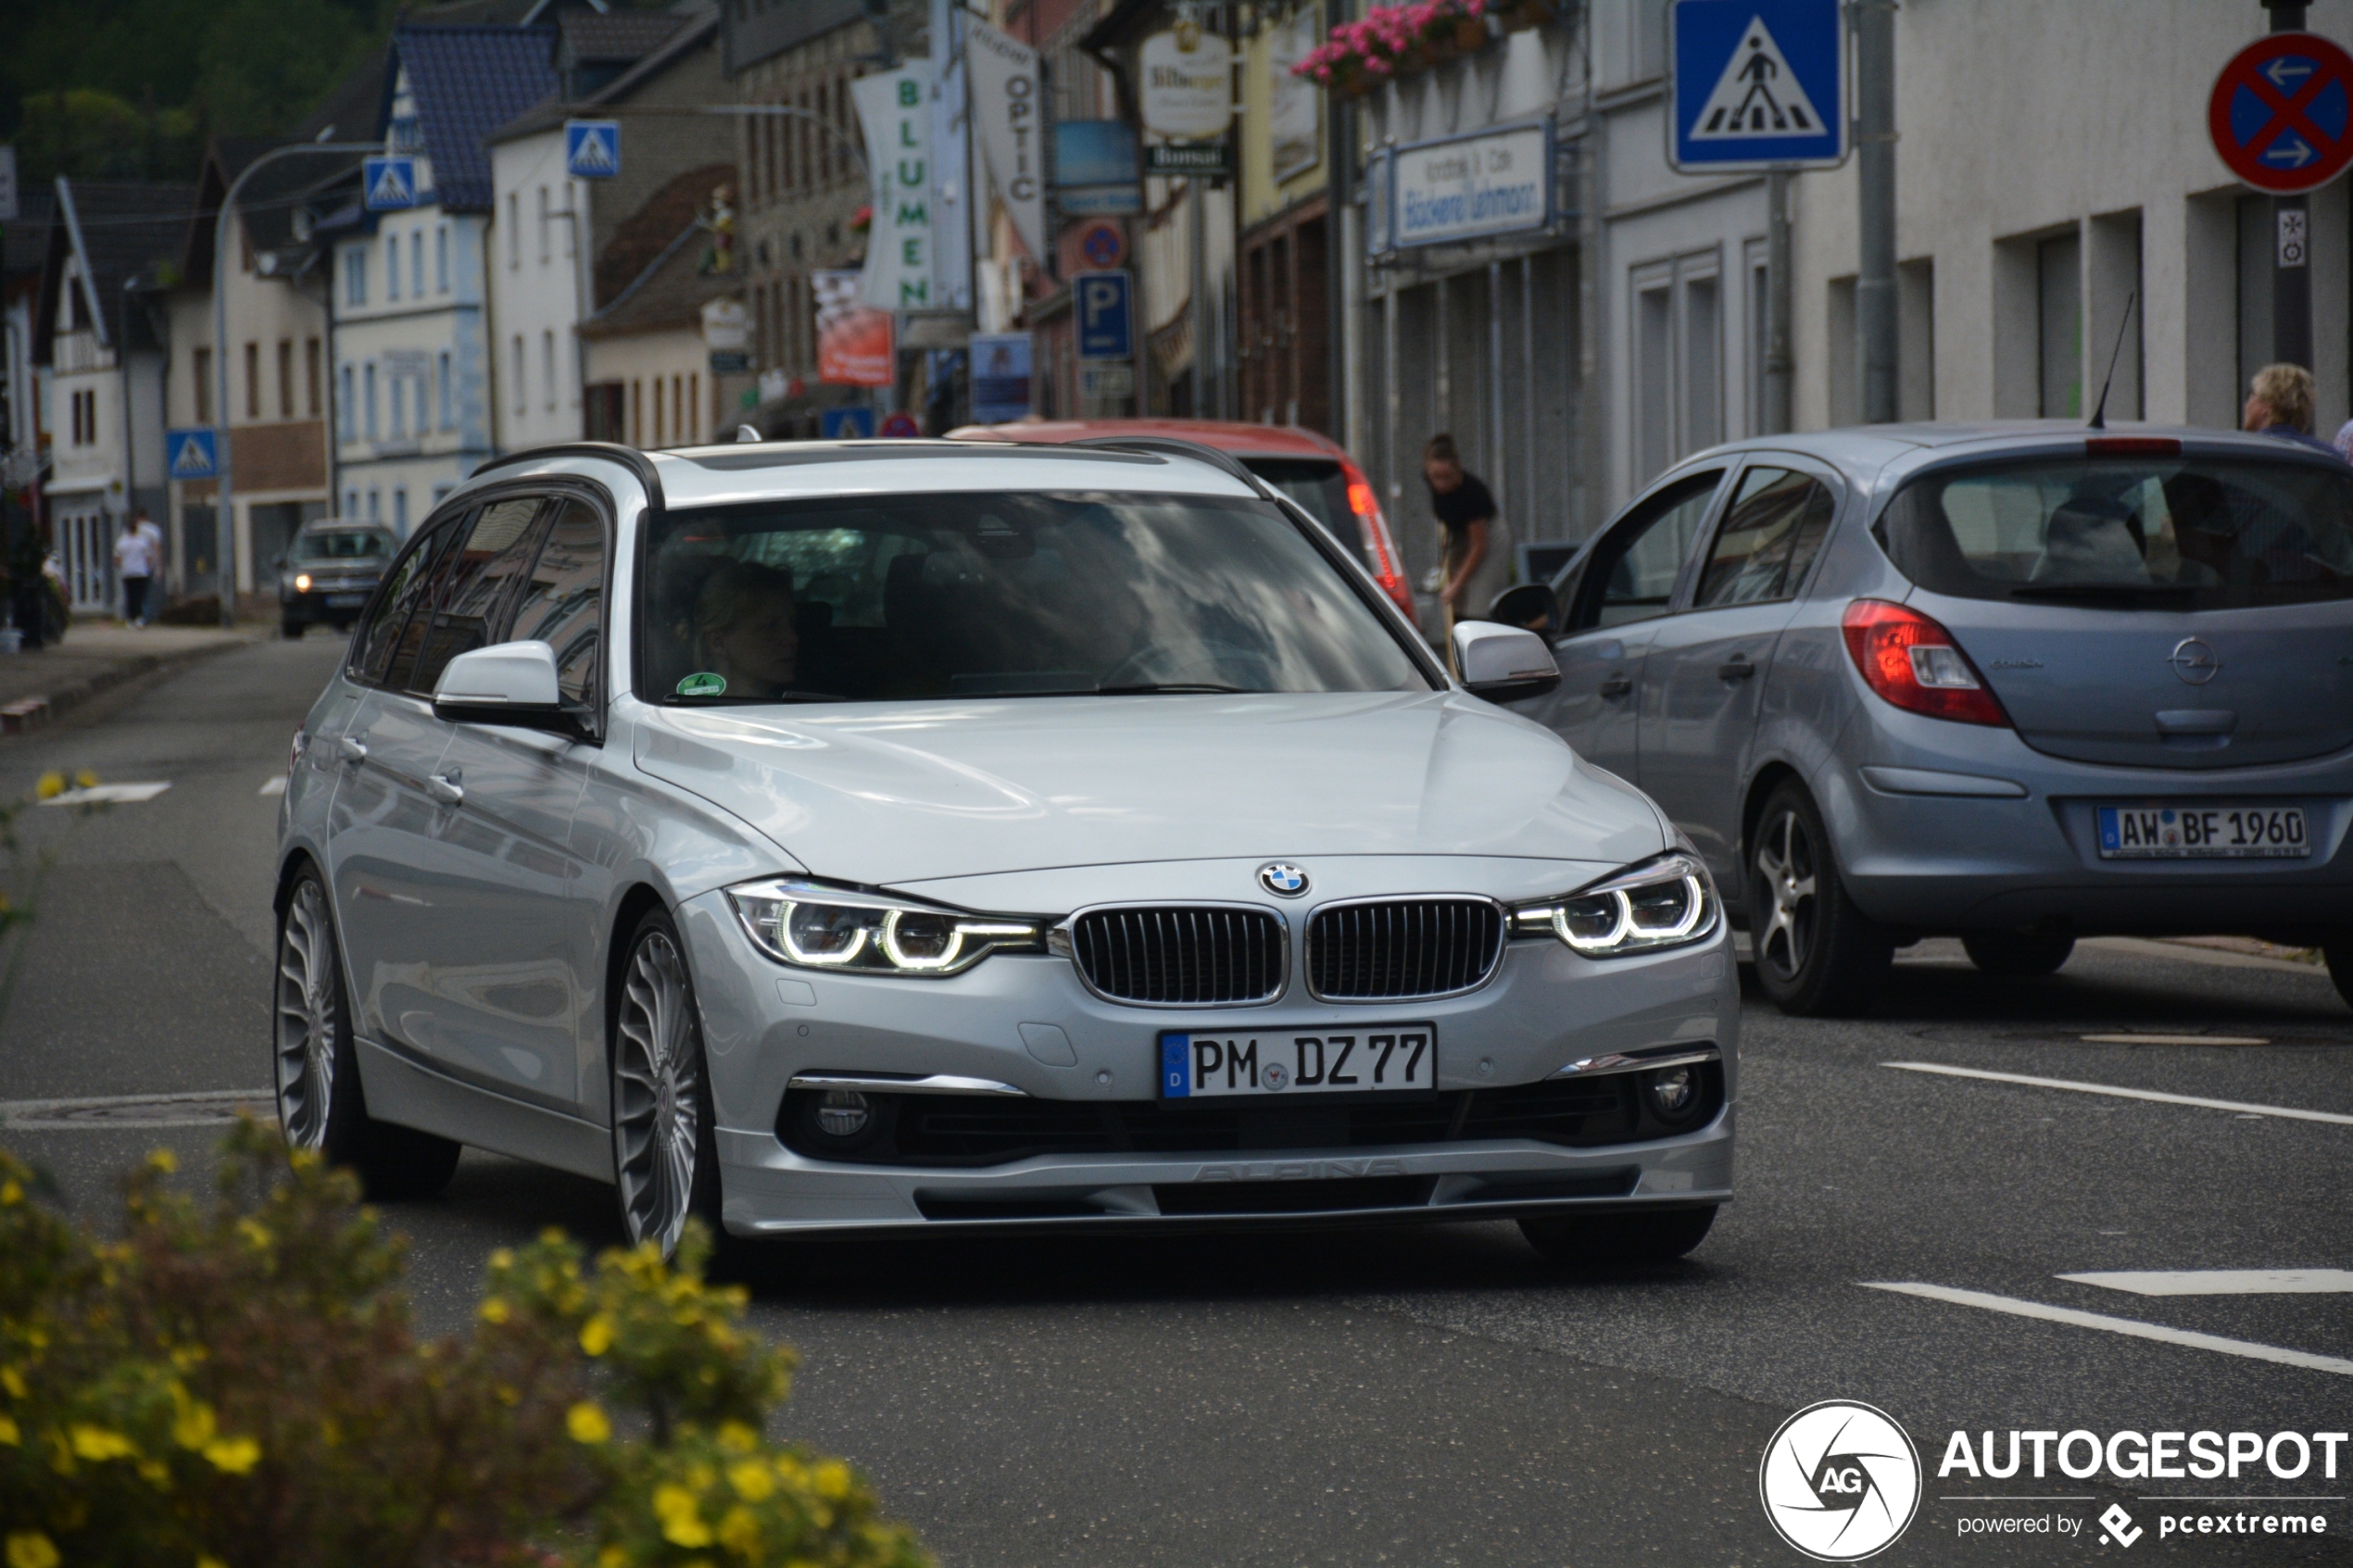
{"points": [[917, 835]]}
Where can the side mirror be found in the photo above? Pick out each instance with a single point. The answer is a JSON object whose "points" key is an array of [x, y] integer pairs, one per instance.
{"points": [[1502, 663], [509, 683]]}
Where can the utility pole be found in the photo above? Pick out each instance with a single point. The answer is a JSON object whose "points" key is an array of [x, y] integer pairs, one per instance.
{"points": [[1875, 158], [1779, 363], [2291, 242]]}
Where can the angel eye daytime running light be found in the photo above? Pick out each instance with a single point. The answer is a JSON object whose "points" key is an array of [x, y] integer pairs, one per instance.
{"points": [[815, 928], [1667, 902]]}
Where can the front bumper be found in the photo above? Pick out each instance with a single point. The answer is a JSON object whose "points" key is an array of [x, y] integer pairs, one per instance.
{"points": [[1954, 827], [764, 1022]]}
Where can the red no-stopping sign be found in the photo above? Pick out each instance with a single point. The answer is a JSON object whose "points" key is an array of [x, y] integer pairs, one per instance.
{"points": [[2282, 113]]}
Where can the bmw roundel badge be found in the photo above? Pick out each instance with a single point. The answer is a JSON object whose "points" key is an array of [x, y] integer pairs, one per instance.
{"points": [[1282, 879]]}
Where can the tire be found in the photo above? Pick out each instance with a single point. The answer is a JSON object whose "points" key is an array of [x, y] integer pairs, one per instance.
{"points": [[2020, 955], [2338, 949], [1603, 1240], [292, 630], [1816, 953], [314, 1066], [665, 1156]]}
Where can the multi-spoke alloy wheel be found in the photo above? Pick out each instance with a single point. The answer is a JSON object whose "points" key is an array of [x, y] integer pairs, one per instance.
{"points": [[310, 1018], [657, 1092], [1785, 862]]}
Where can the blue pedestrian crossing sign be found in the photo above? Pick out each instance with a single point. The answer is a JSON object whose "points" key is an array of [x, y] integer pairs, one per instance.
{"points": [[592, 148], [193, 454], [388, 184], [1757, 84], [847, 424]]}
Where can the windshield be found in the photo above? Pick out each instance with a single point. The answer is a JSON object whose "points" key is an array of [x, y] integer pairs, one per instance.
{"points": [[344, 543], [1319, 488], [998, 594], [2166, 532]]}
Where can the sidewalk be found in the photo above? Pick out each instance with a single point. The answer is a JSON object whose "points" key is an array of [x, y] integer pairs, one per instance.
{"points": [[37, 686]]}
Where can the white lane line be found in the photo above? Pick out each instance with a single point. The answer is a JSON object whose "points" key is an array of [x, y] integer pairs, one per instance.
{"points": [[2289, 1112], [2017, 1308], [2224, 1282], [110, 795], [276, 784], [2174, 1039]]}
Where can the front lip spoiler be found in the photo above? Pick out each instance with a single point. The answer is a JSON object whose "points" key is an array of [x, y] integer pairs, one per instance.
{"points": [[1329, 1219]]}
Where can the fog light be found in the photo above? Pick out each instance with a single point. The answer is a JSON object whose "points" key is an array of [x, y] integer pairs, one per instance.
{"points": [[1673, 1091], [843, 1113]]}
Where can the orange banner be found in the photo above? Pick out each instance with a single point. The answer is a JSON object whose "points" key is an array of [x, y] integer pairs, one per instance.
{"points": [[853, 339]]}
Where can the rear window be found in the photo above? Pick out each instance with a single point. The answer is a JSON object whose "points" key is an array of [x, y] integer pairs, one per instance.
{"points": [[2164, 533], [1319, 488]]}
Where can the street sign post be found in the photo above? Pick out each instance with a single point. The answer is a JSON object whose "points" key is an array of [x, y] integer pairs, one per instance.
{"points": [[193, 454], [1759, 85], [1106, 315], [388, 184], [592, 148], [1102, 245], [2280, 113], [847, 424]]}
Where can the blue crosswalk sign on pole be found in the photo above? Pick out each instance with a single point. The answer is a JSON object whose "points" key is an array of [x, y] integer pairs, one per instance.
{"points": [[388, 184], [194, 453], [1758, 84], [592, 148]]}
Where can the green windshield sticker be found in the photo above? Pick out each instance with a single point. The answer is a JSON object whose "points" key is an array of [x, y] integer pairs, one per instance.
{"points": [[703, 683]]}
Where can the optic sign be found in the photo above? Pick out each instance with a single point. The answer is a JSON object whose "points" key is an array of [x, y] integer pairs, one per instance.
{"points": [[388, 184], [1757, 84], [1106, 315], [2280, 110], [592, 148], [193, 454]]}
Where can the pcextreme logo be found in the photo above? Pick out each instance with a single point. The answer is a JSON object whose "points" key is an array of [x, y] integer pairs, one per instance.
{"points": [[1840, 1481]]}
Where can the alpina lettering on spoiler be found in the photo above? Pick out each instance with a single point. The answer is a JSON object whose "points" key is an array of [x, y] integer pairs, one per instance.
{"points": [[1302, 1171]]}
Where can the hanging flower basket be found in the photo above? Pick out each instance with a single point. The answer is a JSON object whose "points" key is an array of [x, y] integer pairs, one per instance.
{"points": [[1395, 41]]}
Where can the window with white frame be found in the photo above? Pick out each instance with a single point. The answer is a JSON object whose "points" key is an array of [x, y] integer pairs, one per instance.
{"points": [[417, 264], [1677, 353], [544, 222], [521, 401], [344, 411], [514, 229], [448, 408], [441, 259], [392, 267], [547, 366], [368, 397], [355, 275]]}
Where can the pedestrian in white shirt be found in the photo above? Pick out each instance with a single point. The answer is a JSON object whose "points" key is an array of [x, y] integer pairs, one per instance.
{"points": [[135, 552]]}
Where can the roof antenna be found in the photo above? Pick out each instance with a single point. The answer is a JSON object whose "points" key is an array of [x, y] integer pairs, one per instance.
{"points": [[2099, 415], [748, 433]]}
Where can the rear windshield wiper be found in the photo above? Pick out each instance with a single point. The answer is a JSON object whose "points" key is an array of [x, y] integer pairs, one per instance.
{"points": [[2134, 591]]}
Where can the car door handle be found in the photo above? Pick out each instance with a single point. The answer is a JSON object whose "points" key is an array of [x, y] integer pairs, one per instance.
{"points": [[444, 787], [350, 750], [1616, 685], [1735, 670]]}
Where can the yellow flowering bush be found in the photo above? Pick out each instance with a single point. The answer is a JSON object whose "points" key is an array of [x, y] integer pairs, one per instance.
{"points": [[237, 1383]]}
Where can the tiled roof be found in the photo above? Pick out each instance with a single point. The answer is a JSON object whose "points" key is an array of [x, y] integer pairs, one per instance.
{"points": [[614, 36], [696, 31], [469, 81]]}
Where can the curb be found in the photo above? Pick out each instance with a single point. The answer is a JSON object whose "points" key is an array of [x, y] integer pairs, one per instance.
{"points": [[27, 714]]}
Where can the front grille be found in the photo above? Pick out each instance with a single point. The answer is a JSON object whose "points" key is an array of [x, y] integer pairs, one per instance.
{"points": [[1181, 956], [947, 1131], [1399, 950]]}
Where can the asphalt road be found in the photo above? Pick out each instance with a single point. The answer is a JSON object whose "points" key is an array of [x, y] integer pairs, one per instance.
{"points": [[1422, 1396]]}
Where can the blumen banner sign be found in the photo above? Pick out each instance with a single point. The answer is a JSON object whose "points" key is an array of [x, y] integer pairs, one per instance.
{"points": [[896, 116]]}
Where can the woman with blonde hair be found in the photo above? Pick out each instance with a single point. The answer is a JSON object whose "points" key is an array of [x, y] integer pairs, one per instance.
{"points": [[745, 633]]}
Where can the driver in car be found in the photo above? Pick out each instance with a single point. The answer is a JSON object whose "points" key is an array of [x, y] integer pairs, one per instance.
{"points": [[746, 630]]}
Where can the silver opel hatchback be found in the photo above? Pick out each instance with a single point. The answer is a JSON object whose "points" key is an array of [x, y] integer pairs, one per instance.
{"points": [[2016, 683], [930, 837]]}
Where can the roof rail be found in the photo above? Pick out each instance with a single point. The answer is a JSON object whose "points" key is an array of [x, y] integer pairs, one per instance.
{"points": [[637, 462], [1172, 446]]}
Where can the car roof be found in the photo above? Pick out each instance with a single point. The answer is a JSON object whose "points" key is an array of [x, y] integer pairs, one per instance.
{"points": [[776, 471], [342, 525], [1243, 439]]}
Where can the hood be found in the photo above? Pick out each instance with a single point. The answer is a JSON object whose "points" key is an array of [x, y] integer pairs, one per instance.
{"points": [[885, 794]]}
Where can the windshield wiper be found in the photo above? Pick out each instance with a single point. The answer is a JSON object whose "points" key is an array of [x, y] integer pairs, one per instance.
{"points": [[675, 700], [1146, 688]]}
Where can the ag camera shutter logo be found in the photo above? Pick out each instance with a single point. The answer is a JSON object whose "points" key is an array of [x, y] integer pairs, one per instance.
{"points": [[1841, 1481]]}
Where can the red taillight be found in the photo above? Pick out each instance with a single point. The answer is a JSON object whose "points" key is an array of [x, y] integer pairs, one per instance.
{"points": [[1914, 663], [2132, 447], [1387, 571]]}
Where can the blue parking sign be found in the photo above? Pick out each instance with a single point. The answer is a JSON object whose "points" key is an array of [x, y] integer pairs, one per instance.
{"points": [[388, 184], [1106, 315], [1757, 84], [194, 453], [592, 148]]}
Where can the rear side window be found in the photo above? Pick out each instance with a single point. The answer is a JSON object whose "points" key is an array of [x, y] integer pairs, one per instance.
{"points": [[2164, 533], [1768, 539], [563, 605], [474, 586]]}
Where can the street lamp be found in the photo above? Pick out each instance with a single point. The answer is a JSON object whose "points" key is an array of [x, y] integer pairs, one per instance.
{"points": [[226, 524]]}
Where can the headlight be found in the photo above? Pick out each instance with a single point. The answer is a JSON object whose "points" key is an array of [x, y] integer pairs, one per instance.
{"points": [[302, 582], [801, 922], [1661, 903]]}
